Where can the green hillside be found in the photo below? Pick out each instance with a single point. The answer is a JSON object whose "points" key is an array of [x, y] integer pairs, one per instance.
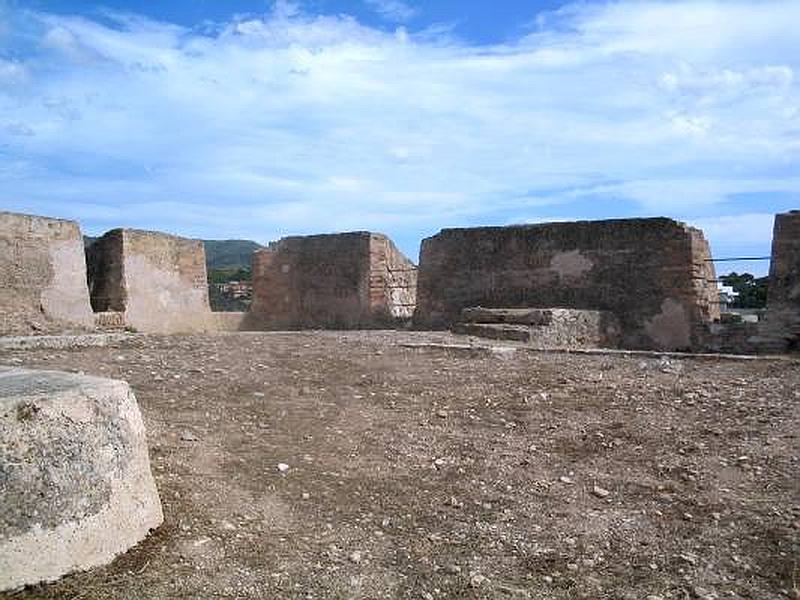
{"points": [[227, 255]]}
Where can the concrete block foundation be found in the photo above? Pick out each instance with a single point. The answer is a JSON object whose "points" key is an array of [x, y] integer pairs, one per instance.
{"points": [[76, 483]]}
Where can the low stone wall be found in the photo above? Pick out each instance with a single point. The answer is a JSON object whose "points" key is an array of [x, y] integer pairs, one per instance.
{"points": [[110, 320], [231, 321], [543, 328], [65, 342], [736, 338], [42, 276], [76, 483], [157, 280], [338, 281], [654, 275]]}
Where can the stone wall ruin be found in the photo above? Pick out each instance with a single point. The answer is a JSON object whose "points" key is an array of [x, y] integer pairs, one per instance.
{"points": [[781, 329], [158, 281], [345, 280], [654, 275], [42, 275]]}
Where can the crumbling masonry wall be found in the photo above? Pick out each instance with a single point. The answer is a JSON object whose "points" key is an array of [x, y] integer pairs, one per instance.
{"points": [[345, 280], [653, 274], [157, 281], [392, 281], [42, 275], [782, 325]]}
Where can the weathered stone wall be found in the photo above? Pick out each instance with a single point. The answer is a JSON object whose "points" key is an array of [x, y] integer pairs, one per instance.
{"points": [[42, 275], [782, 324], [653, 274], [104, 263], [345, 280], [159, 281], [392, 281]]}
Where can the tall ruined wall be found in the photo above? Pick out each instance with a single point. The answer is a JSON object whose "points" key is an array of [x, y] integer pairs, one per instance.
{"points": [[104, 261], [42, 275], [783, 297], [158, 280], [651, 273], [392, 281], [342, 280]]}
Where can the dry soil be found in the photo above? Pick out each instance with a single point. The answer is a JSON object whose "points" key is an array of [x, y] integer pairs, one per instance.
{"points": [[427, 473]]}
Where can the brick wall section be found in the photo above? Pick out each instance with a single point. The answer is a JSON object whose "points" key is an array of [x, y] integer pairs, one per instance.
{"points": [[159, 281], [782, 324], [341, 281], [42, 275], [393, 281], [651, 273]]}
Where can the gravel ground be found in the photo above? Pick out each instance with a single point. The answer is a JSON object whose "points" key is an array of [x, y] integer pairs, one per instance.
{"points": [[428, 473]]}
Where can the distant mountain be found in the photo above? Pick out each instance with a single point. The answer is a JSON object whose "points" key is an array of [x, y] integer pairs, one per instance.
{"points": [[220, 254], [229, 254]]}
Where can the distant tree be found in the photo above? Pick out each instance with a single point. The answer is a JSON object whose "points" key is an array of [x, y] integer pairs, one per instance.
{"points": [[752, 290], [228, 275]]}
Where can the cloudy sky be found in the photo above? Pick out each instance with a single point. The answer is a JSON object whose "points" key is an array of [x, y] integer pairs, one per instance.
{"points": [[255, 119]]}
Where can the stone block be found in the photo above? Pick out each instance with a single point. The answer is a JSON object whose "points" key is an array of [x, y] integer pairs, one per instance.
{"points": [[339, 281], [76, 483], [42, 275], [543, 327], [653, 275], [495, 331], [158, 281], [519, 316]]}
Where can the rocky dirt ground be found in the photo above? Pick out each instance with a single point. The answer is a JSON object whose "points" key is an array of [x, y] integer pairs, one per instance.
{"points": [[347, 465]]}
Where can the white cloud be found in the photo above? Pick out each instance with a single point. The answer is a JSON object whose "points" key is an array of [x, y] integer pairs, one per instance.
{"points": [[392, 10], [299, 123], [11, 74]]}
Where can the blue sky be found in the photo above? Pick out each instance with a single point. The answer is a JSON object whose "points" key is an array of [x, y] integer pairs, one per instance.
{"points": [[248, 119]]}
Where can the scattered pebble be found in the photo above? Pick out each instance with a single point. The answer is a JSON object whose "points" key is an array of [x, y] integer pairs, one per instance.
{"points": [[477, 580], [702, 593]]}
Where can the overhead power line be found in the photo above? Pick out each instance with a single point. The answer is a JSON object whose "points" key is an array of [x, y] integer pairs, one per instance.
{"points": [[738, 258]]}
